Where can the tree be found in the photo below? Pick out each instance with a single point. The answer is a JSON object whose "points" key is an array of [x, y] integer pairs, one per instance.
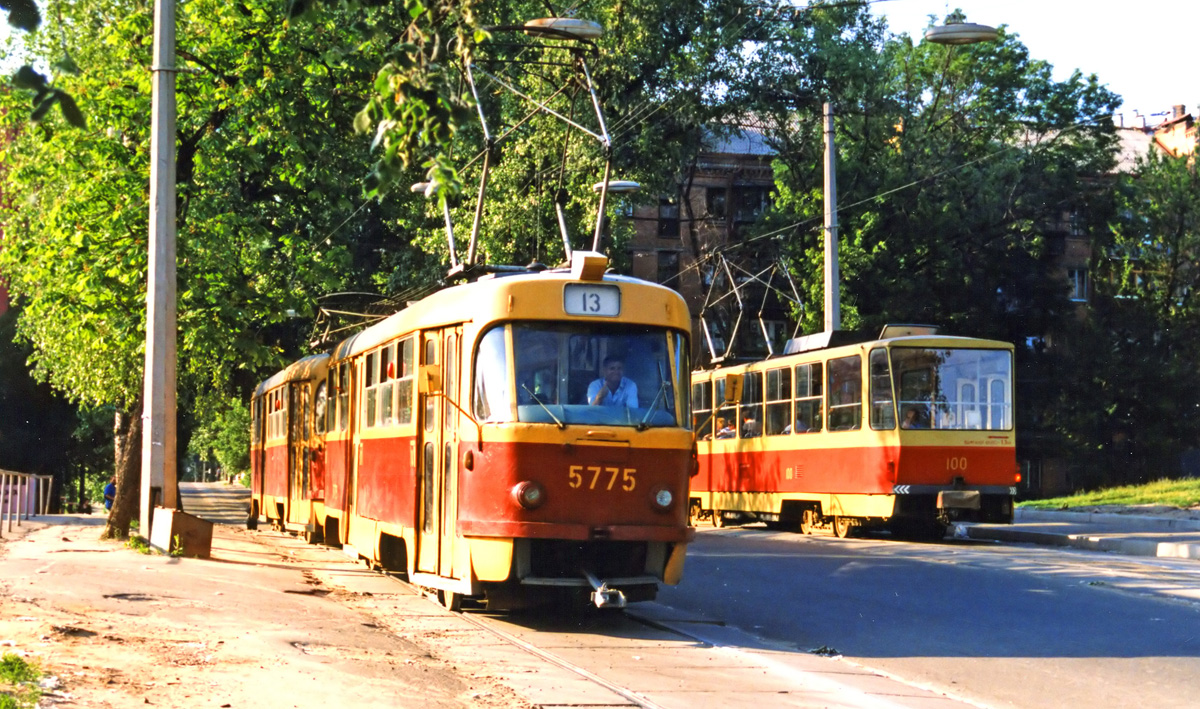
{"points": [[1131, 409], [270, 212]]}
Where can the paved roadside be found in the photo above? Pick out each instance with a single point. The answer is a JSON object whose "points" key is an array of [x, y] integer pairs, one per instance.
{"points": [[270, 621], [252, 626], [1129, 534]]}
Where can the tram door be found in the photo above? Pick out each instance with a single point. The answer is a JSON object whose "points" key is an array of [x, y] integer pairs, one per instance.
{"points": [[436, 470], [300, 461]]}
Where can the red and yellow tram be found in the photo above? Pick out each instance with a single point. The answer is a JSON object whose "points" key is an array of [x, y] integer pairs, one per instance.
{"points": [[287, 458], [465, 446], [908, 432]]}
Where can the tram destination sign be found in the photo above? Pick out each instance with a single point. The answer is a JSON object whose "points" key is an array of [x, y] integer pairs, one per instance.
{"points": [[592, 300]]}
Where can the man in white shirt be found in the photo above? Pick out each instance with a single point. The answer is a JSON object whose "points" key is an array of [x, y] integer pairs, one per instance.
{"points": [[613, 389]]}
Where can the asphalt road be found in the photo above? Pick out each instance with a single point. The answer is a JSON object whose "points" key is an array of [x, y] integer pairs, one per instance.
{"points": [[994, 624]]}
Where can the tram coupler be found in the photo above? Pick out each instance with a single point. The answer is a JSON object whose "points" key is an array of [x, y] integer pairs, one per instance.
{"points": [[603, 596]]}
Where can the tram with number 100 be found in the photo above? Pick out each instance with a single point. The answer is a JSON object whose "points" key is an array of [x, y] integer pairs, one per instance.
{"points": [[908, 432], [462, 445]]}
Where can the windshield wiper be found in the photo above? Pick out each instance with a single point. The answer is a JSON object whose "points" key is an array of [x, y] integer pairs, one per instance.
{"points": [[544, 407], [654, 404]]}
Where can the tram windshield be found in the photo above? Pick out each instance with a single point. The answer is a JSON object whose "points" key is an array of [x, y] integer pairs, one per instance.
{"points": [[572, 373], [956, 389]]}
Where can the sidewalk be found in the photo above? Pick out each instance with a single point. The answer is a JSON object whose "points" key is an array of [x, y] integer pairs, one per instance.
{"points": [[1129, 534]]}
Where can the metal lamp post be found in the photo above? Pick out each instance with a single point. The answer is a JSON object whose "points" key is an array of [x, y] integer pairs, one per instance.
{"points": [[952, 33]]}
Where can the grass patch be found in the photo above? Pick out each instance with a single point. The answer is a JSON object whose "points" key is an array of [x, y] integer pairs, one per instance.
{"points": [[19, 680], [139, 544], [1172, 493]]}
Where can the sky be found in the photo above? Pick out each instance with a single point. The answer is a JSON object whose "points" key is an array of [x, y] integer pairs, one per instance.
{"points": [[1144, 53]]}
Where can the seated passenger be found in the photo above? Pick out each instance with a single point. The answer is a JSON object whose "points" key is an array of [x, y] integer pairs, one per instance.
{"points": [[750, 427], [799, 427], [725, 429], [613, 388], [912, 419]]}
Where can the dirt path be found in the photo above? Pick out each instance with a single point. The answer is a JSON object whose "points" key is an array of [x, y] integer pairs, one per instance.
{"points": [[251, 627]]}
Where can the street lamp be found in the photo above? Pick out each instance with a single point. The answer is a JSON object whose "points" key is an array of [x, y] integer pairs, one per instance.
{"points": [[955, 33], [952, 33]]}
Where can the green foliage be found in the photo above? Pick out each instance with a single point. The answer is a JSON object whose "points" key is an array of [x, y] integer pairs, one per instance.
{"points": [[14, 669], [950, 161], [223, 432], [659, 71], [1129, 409], [1183, 494], [21, 678], [269, 182], [139, 544]]}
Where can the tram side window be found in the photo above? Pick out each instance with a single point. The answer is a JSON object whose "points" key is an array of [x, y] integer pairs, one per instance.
{"points": [[808, 398], [492, 398], [751, 408], [883, 409], [278, 416], [845, 393], [405, 372], [319, 409], [431, 347], [779, 401], [387, 375], [702, 420], [343, 390], [371, 384], [725, 421]]}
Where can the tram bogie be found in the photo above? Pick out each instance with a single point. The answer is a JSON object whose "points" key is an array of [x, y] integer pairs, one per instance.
{"points": [[908, 434]]}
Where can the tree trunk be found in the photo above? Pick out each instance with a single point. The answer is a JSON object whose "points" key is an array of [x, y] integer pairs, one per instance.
{"points": [[127, 452]]}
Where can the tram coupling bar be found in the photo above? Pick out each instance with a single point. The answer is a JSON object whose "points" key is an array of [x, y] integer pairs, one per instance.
{"points": [[603, 596]]}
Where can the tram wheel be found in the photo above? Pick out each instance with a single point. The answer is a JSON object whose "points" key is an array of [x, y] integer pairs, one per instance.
{"points": [[842, 526], [252, 517], [450, 600], [719, 519]]}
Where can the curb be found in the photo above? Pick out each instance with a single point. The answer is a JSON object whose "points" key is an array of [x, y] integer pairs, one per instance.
{"points": [[1087, 542], [1143, 523]]}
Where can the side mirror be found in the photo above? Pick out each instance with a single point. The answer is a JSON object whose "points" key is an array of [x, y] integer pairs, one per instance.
{"points": [[430, 379], [733, 388]]}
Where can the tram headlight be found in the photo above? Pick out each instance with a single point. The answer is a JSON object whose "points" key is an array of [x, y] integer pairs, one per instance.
{"points": [[529, 494], [663, 498]]}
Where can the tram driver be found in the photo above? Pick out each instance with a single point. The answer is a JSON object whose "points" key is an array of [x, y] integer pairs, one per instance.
{"points": [[613, 388]]}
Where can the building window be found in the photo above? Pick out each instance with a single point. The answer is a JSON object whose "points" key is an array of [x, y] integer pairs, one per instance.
{"points": [[749, 203], [714, 201], [668, 268], [1075, 224], [668, 217], [1078, 283]]}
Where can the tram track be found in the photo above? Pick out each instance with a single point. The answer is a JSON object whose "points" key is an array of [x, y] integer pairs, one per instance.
{"points": [[492, 628]]}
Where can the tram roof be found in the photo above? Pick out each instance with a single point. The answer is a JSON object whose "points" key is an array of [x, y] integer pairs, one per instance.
{"points": [[849, 345], [485, 299], [300, 369]]}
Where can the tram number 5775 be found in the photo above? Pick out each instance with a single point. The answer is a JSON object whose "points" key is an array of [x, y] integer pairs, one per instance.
{"points": [[606, 478]]}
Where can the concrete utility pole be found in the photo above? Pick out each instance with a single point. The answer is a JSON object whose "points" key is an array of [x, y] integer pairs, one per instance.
{"points": [[159, 484], [833, 302]]}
